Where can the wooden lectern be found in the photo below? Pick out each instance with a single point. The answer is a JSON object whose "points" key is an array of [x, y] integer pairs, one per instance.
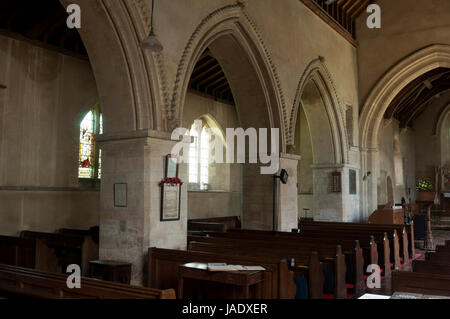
{"points": [[388, 216]]}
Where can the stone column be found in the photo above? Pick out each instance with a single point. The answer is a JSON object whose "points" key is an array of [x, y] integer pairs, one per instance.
{"points": [[327, 205], [368, 183], [126, 233], [331, 206], [287, 213]]}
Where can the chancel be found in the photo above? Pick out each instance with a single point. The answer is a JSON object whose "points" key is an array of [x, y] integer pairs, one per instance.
{"points": [[339, 161]]}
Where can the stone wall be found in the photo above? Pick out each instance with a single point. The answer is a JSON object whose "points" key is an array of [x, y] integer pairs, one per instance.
{"points": [[432, 142], [47, 95], [406, 161]]}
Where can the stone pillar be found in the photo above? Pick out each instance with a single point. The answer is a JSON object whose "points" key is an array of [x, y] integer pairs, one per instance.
{"points": [[330, 206], [327, 205], [126, 233], [257, 195], [368, 183], [287, 216]]}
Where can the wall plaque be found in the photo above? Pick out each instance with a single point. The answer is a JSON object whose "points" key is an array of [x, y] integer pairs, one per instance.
{"points": [[120, 195], [352, 182], [170, 202]]}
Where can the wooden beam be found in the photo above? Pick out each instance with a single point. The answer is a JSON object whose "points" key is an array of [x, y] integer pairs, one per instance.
{"points": [[330, 21], [46, 23]]}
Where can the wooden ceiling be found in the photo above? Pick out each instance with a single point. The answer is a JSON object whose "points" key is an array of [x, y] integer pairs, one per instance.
{"points": [[42, 22], [340, 14], [209, 78], [412, 101]]}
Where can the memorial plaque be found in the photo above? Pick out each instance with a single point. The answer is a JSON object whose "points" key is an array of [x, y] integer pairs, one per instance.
{"points": [[170, 202], [120, 195]]}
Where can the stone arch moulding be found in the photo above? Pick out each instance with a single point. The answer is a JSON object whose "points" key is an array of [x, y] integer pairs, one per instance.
{"points": [[230, 20], [128, 89], [418, 63], [319, 74]]}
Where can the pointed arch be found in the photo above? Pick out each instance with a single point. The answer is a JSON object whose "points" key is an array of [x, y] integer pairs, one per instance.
{"points": [[378, 101], [318, 73], [410, 68], [231, 23], [128, 88]]}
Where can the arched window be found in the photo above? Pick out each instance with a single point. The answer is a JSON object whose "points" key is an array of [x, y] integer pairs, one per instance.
{"points": [[199, 153], [89, 158]]}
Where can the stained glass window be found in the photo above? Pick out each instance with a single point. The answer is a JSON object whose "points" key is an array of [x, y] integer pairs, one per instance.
{"points": [[89, 159]]}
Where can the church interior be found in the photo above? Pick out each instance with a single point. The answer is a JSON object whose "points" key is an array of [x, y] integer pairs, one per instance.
{"points": [[351, 99]]}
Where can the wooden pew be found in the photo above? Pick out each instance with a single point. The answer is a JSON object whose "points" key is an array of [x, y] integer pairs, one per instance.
{"points": [[305, 224], [421, 283], [195, 226], [18, 281], [331, 255], [431, 267], [278, 279], [330, 238], [230, 222], [68, 248], [27, 252]]}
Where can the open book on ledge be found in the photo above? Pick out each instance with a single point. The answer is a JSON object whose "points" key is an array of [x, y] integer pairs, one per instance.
{"points": [[225, 267]]}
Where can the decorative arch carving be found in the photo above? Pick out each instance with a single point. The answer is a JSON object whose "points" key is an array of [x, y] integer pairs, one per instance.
{"points": [[317, 72], [230, 19]]}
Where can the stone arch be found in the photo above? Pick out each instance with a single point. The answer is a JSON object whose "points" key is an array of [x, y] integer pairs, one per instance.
{"points": [[372, 112], [317, 73], [129, 92], [410, 68], [231, 25]]}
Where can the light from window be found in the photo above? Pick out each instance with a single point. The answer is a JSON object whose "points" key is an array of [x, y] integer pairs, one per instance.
{"points": [[199, 156]]}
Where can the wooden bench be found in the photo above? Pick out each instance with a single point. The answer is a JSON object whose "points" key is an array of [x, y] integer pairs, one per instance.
{"points": [[278, 279], [431, 267], [205, 227], [27, 252], [366, 242], [331, 257], [406, 231], [421, 283], [69, 248], [18, 281], [230, 222]]}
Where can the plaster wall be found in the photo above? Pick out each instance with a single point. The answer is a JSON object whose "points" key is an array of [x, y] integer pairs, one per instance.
{"points": [[47, 95]]}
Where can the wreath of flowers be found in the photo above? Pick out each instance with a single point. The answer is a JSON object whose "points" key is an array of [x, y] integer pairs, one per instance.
{"points": [[172, 181], [424, 185]]}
